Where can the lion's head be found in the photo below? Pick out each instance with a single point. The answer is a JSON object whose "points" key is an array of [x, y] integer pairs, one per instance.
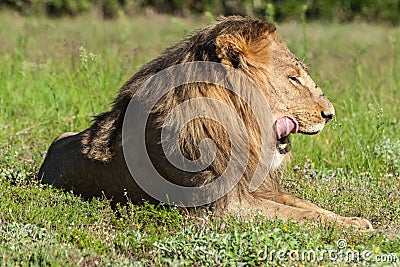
{"points": [[285, 81]]}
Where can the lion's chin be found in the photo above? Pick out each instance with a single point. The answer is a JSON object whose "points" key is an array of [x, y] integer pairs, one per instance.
{"points": [[311, 129], [309, 133]]}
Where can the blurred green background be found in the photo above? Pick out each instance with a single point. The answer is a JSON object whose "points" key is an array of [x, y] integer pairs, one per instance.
{"points": [[386, 11]]}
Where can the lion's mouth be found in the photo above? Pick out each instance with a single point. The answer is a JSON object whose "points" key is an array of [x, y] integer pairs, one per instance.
{"points": [[283, 127]]}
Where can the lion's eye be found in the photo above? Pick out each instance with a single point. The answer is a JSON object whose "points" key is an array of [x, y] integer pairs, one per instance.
{"points": [[295, 80]]}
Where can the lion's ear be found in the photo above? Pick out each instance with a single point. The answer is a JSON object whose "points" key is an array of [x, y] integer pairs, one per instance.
{"points": [[230, 49]]}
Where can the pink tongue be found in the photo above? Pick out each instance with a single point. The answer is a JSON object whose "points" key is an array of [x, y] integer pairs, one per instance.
{"points": [[286, 125]]}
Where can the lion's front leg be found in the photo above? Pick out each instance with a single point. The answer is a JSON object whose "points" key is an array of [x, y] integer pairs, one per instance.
{"points": [[286, 207], [293, 201], [290, 200], [274, 210]]}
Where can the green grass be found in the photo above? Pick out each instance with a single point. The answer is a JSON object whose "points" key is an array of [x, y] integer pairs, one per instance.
{"points": [[56, 74]]}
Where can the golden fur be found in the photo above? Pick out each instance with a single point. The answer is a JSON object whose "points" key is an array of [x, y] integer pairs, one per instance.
{"points": [[93, 163]]}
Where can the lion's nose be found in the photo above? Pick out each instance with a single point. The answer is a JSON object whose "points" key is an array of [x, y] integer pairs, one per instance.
{"points": [[327, 116]]}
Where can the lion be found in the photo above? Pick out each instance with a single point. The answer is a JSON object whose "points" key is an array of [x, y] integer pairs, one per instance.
{"points": [[91, 163]]}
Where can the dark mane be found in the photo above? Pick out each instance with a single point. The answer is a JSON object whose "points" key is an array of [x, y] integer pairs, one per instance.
{"points": [[102, 138]]}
